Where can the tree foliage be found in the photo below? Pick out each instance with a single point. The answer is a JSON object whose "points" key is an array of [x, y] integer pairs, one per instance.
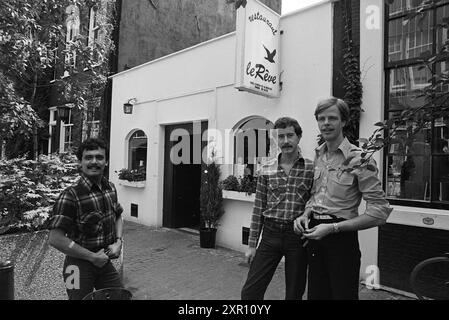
{"points": [[211, 196], [32, 44], [435, 97], [29, 188]]}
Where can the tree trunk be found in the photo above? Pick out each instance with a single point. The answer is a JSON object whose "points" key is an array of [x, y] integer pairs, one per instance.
{"points": [[35, 138], [2, 150]]}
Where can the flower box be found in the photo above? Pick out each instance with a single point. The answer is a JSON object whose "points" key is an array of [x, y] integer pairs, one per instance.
{"points": [[133, 184], [240, 196]]}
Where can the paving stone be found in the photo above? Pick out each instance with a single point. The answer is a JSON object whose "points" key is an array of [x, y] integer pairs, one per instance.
{"points": [[169, 264]]}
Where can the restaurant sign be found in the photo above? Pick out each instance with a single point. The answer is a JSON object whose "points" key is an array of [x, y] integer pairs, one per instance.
{"points": [[257, 49]]}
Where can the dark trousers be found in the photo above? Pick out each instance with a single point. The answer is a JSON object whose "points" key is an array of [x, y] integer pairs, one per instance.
{"points": [[275, 244], [90, 277], [334, 266]]}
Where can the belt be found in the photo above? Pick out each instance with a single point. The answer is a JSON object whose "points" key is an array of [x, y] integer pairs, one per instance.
{"points": [[319, 216], [278, 224]]}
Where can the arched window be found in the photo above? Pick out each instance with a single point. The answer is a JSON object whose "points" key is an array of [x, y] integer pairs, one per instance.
{"points": [[137, 152], [251, 143]]}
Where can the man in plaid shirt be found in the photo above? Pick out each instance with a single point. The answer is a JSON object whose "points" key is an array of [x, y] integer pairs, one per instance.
{"points": [[87, 226], [283, 188]]}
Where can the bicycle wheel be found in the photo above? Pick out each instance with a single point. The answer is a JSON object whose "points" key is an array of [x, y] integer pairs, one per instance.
{"points": [[430, 279]]}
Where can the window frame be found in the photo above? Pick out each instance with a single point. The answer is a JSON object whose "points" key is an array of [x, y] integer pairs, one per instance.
{"points": [[255, 164], [64, 127], [94, 31], [129, 150], [72, 31], [409, 63]]}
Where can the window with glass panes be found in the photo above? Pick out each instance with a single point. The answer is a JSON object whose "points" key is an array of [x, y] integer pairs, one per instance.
{"points": [[137, 153], [251, 144], [94, 29], [417, 166]]}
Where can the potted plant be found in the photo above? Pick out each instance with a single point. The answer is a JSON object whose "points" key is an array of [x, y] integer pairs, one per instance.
{"points": [[231, 183], [248, 184], [211, 204]]}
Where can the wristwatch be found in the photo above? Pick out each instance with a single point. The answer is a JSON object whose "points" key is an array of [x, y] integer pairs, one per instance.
{"points": [[117, 238]]}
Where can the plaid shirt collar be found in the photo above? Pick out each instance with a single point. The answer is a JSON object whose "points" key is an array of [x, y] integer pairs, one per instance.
{"points": [[300, 157], [90, 185], [345, 147], [272, 166]]}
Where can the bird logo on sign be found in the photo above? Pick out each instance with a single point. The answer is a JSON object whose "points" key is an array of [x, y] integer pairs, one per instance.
{"points": [[270, 55]]}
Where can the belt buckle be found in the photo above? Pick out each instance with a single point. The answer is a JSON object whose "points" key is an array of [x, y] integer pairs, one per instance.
{"points": [[318, 216]]}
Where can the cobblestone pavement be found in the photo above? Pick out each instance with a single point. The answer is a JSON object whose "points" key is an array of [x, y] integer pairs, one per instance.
{"points": [[168, 264]]}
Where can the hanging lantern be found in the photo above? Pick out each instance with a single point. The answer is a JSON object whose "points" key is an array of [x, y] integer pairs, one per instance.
{"points": [[63, 113], [127, 108]]}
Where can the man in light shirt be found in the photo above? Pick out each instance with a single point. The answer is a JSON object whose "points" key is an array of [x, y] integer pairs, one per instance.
{"points": [[331, 219]]}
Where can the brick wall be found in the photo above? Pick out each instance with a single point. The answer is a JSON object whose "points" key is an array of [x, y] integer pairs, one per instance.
{"points": [[402, 247], [147, 32]]}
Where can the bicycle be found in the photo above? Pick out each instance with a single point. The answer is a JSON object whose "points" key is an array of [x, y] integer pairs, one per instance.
{"points": [[430, 278]]}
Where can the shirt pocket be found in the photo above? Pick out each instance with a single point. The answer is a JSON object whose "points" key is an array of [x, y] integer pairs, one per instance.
{"points": [[303, 192], [91, 224], [341, 184], [274, 192]]}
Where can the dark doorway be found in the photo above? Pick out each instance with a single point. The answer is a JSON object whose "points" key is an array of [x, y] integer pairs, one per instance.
{"points": [[182, 181]]}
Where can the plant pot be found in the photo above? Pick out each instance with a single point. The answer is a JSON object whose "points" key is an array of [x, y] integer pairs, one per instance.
{"points": [[207, 237]]}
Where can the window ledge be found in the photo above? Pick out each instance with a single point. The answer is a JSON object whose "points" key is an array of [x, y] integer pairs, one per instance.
{"points": [[241, 196], [420, 217], [133, 184]]}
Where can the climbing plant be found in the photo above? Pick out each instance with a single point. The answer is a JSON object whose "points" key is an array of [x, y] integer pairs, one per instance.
{"points": [[351, 74]]}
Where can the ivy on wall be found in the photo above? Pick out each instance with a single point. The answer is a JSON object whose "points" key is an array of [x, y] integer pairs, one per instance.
{"points": [[352, 88], [351, 74]]}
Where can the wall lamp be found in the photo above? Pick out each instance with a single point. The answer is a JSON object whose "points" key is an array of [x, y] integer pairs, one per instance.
{"points": [[63, 112], [128, 106]]}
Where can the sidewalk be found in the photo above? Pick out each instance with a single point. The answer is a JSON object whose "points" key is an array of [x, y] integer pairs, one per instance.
{"points": [[168, 264]]}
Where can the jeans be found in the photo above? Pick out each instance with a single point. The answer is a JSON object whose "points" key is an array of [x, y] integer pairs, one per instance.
{"points": [[334, 266], [81, 277], [275, 244]]}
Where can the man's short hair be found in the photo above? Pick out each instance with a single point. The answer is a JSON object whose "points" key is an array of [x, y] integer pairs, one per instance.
{"points": [[327, 103], [286, 122], [91, 144]]}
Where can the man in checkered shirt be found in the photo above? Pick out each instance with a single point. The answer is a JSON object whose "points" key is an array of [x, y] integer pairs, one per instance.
{"points": [[283, 188], [87, 225]]}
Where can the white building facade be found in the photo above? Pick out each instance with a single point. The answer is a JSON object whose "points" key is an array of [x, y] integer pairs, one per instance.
{"points": [[194, 89]]}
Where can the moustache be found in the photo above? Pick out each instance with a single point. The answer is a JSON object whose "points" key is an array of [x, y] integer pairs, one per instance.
{"points": [[286, 146]]}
